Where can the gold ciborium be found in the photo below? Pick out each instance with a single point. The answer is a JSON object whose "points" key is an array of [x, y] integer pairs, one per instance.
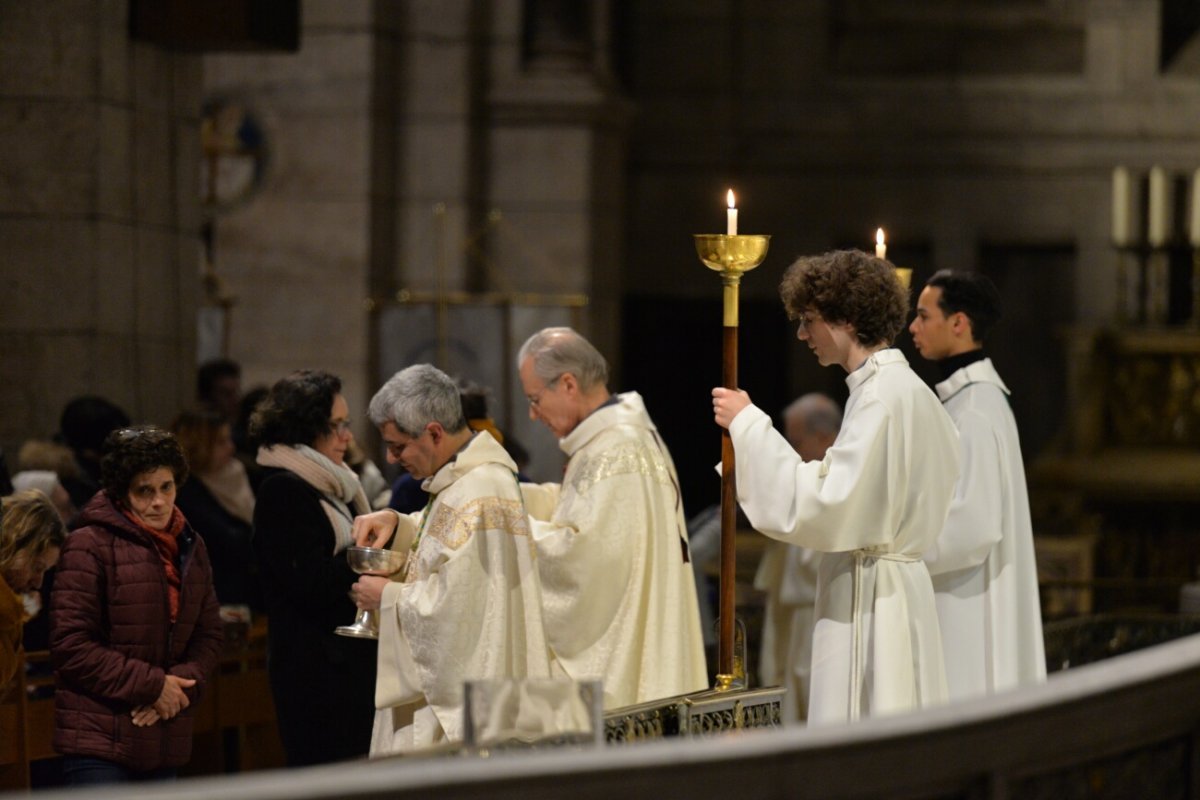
{"points": [[730, 255], [905, 276]]}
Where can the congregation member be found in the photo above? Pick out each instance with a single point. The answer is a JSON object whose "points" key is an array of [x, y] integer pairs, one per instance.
{"points": [[323, 684], [467, 605], [872, 506], [219, 504], [983, 566], [83, 426], [787, 573], [219, 387], [135, 631], [619, 595], [31, 537]]}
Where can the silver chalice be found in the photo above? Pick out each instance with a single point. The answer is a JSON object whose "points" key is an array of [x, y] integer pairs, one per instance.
{"points": [[370, 561]]}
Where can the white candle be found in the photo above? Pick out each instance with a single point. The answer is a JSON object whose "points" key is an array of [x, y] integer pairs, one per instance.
{"points": [[1122, 207], [1194, 230], [1160, 208], [731, 215], [880, 246]]}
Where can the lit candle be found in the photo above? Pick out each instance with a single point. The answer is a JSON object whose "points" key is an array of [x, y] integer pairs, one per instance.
{"points": [[731, 215], [1160, 208], [1194, 230], [880, 247], [1122, 207]]}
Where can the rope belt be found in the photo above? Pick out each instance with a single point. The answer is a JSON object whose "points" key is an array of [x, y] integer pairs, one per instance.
{"points": [[856, 655]]}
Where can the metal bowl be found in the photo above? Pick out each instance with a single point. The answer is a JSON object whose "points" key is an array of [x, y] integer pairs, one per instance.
{"points": [[374, 560]]}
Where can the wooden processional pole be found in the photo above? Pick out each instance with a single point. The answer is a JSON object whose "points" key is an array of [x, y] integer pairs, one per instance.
{"points": [[731, 255]]}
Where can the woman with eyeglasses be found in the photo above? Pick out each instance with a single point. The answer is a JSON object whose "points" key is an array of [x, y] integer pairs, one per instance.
{"points": [[323, 684], [31, 536], [135, 630]]}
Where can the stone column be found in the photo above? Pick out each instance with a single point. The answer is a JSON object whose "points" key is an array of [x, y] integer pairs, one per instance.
{"points": [[98, 217]]}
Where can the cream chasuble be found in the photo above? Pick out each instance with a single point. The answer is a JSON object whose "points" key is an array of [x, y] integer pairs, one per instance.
{"points": [[619, 598], [874, 504], [984, 573], [468, 606]]}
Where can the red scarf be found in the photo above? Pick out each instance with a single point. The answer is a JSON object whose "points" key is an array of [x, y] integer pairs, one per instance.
{"points": [[166, 542]]}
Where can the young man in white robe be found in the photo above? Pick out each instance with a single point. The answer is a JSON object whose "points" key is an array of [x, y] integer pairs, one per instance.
{"points": [[618, 589], [788, 573], [872, 506], [983, 567], [467, 605]]}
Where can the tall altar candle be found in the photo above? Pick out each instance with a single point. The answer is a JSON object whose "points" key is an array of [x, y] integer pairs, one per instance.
{"points": [[1122, 208], [1194, 229], [880, 246], [731, 215], [1160, 208]]}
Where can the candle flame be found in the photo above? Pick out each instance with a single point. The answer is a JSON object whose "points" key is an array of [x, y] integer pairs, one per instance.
{"points": [[729, 199], [879, 236]]}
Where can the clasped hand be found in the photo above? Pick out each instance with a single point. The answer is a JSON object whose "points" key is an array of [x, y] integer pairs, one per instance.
{"points": [[170, 702]]}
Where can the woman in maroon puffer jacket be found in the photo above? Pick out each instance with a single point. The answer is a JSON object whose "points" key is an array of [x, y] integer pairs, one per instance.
{"points": [[135, 628]]}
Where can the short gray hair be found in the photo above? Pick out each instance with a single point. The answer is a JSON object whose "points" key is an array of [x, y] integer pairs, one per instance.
{"points": [[819, 411], [557, 351], [416, 396]]}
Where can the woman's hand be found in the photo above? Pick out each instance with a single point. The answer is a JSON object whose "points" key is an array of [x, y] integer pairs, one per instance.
{"points": [[727, 403], [173, 699], [367, 592], [375, 529], [144, 716]]}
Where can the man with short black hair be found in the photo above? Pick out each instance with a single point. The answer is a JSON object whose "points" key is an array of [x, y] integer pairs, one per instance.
{"points": [[984, 574]]}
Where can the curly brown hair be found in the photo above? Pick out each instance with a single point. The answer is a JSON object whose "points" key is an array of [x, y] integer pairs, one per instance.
{"points": [[848, 286], [297, 409], [129, 452]]}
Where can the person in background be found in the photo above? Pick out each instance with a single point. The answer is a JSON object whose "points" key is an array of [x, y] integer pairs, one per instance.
{"points": [[135, 630], [323, 684], [217, 501], [245, 450], [219, 387], [788, 573], [872, 506], [983, 566], [31, 536], [46, 482], [85, 423]]}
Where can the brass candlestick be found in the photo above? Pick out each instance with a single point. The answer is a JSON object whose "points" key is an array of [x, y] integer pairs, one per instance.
{"points": [[731, 256]]}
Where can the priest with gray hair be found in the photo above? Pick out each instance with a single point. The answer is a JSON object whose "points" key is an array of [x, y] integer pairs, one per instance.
{"points": [[619, 597], [466, 605]]}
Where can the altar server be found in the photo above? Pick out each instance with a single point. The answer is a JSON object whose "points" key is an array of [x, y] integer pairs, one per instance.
{"points": [[873, 505], [467, 606], [984, 573]]}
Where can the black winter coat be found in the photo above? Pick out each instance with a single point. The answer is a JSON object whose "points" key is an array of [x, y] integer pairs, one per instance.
{"points": [[323, 684], [112, 641]]}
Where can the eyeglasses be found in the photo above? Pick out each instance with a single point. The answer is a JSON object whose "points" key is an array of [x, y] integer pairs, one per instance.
{"points": [[339, 427], [535, 399]]}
